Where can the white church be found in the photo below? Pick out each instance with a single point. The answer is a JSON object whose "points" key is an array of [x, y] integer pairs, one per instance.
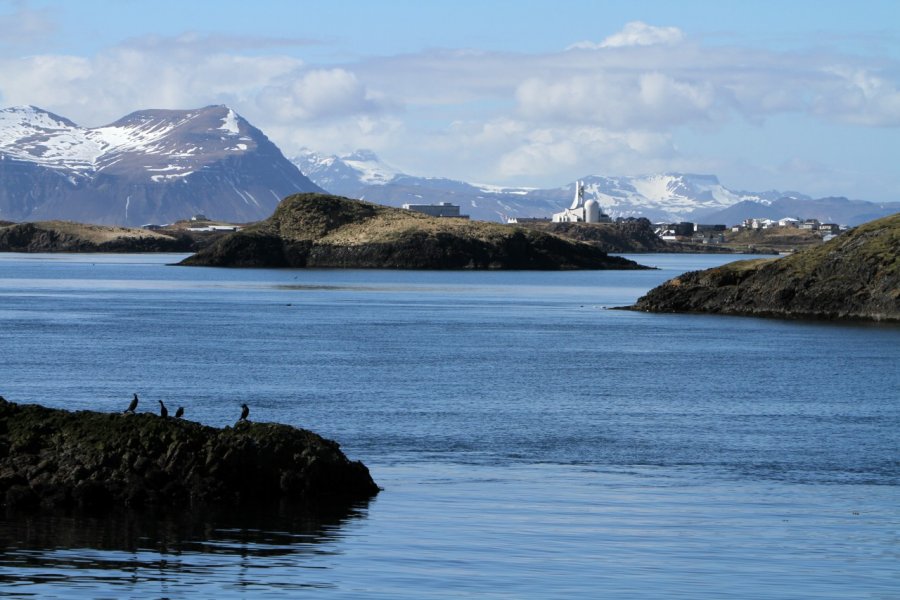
{"points": [[581, 211]]}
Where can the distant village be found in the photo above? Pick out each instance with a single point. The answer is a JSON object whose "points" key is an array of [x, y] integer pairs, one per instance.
{"points": [[697, 233], [589, 211]]}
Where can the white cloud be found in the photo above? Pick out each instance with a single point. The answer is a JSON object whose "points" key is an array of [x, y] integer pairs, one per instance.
{"points": [[859, 97], [619, 101], [635, 33], [186, 73], [580, 150], [615, 107], [317, 94], [26, 25]]}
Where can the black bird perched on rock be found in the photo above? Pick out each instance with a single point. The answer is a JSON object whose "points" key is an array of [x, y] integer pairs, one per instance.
{"points": [[163, 411], [245, 412], [133, 405], [179, 413]]}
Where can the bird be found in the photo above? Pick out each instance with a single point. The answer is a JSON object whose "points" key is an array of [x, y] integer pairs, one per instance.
{"points": [[245, 412], [133, 405], [179, 413], [163, 411]]}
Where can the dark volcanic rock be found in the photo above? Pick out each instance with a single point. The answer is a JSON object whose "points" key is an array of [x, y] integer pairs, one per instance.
{"points": [[318, 230], [52, 458], [854, 276]]}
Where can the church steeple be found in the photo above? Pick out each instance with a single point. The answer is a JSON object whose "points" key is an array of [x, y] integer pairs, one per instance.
{"points": [[578, 201]]}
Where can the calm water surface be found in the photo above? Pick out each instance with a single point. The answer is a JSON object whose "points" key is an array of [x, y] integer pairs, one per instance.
{"points": [[531, 442]]}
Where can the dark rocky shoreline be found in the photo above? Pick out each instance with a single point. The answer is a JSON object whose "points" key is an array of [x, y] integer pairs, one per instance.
{"points": [[855, 276], [92, 461]]}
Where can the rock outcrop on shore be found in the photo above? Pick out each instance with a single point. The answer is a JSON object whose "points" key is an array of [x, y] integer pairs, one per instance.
{"points": [[66, 236], [854, 276], [625, 236], [324, 231], [51, 458]]}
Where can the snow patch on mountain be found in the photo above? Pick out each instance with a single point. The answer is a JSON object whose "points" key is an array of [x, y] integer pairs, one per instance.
{"points": [[372, 171], [500, 189], [35, 135], [230, 123]]}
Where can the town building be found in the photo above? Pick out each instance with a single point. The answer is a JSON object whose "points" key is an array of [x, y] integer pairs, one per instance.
{"points": [[521, 220], [442, 209]]}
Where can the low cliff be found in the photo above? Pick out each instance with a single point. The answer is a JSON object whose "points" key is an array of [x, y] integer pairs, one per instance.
{"points": [[52, 458], [66, 236], [318, 230], [854, 276]]}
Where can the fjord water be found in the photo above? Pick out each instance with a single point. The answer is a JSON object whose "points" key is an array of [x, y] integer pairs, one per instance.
{"points": [[531, 442]]}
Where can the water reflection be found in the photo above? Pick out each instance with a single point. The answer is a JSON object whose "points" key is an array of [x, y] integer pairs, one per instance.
{"points": [[147, 552]]}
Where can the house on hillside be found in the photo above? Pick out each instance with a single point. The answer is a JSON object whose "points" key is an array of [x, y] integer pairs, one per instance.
{"points": [[810, 225]]}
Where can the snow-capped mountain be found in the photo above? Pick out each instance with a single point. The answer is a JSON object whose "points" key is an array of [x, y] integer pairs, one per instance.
{"points": [[667, 197], [348, 172], [150, 166], [363, 175], [662, 197]]}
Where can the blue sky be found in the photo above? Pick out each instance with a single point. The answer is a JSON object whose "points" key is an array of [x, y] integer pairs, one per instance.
{"points": [[795, 95]]}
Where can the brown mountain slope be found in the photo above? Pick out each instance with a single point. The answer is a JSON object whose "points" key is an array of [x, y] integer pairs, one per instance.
{"points": [[319, 230], [854, 276]]}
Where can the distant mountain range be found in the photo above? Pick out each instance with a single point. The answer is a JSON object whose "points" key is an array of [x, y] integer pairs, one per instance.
{"points": [[152, 166], [665, 197], [160, 166]]}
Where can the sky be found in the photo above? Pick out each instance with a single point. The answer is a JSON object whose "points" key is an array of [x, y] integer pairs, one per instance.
{"points": [[791, 95]]}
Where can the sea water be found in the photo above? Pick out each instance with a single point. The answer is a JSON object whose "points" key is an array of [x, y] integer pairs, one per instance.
{"points": [[531, 441]]}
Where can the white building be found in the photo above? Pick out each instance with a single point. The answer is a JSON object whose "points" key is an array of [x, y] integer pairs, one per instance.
{"points": [[581, 211]]}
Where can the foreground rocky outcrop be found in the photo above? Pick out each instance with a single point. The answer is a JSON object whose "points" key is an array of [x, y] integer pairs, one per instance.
{"points": [[66, 236], [51, 458], [854, 276], [320, 230]]}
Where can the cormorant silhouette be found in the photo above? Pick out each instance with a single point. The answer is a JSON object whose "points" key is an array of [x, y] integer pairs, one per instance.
{"points": [[163, 411], [133, 405], [245, 412], [179, 413]]}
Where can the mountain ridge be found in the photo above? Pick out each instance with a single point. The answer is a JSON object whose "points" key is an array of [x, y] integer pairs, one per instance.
{"points": [[154, 165]]}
